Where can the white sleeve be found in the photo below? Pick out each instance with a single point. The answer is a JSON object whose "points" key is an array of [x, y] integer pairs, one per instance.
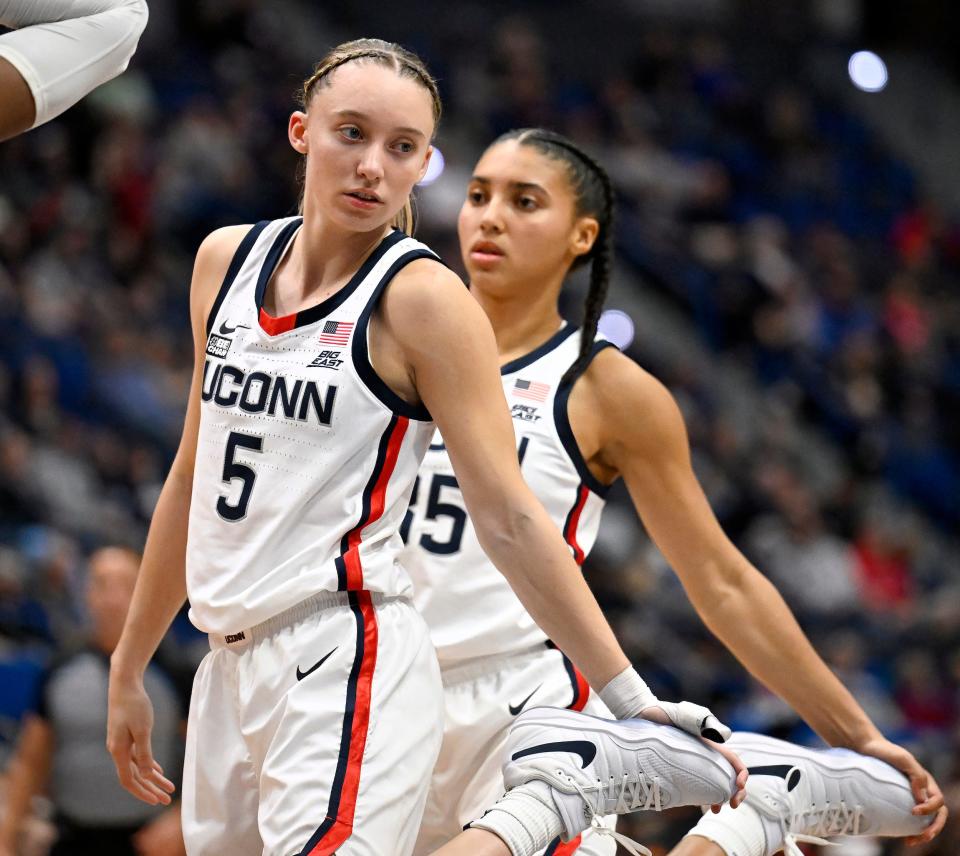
{"points": [[67, 48]]}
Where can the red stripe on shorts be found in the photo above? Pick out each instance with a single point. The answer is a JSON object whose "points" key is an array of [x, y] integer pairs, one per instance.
{"points": [[561, 849], [582, 693], [342, 826]]}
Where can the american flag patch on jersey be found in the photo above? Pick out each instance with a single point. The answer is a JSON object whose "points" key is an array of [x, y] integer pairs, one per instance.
{"points": [[532, 389], [336, 332]]}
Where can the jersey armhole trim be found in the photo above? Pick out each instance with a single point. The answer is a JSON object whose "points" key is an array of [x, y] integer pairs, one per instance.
{"points": [[239, 257], [561, 419], [360, 352]]}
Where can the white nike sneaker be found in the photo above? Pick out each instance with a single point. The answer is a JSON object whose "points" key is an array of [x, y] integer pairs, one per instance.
{"points": [[596, 767], [814, 793]]}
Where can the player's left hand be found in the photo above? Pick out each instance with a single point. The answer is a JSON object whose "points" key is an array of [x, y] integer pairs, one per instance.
{"points": [[926, 791], [129, 723]]}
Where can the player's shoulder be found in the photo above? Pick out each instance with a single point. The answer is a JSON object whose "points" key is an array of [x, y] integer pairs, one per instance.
{"points": [[214, 255], [427, 293], [426, 279], [611, 369], [219, 247], [617, 384]]}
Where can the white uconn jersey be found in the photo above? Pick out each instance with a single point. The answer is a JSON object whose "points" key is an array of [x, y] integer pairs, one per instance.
{"points": [[305, 458], [467, 603]]}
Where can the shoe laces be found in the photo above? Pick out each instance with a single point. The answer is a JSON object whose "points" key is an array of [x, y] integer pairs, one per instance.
{"points": [[635, 848], [818, 821], [630, 794], [791, 847]]}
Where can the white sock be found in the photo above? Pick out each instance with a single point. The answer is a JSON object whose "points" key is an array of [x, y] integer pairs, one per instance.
{"points": [[741, 831], [524, 818]]}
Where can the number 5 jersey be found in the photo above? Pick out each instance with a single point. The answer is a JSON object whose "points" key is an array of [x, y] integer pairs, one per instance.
{"points": [[305, 458]]}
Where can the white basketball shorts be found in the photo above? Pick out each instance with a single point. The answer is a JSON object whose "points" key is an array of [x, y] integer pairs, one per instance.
{"points": [[314, 733], [481, 700]]}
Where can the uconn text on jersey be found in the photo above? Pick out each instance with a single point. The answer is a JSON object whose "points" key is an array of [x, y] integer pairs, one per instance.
{"points": [[272, 394]]}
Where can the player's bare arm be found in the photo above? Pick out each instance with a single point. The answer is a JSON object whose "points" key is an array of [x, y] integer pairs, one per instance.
{"points": [[448, 345], [739, 605], [161, 585], [451, 351]]}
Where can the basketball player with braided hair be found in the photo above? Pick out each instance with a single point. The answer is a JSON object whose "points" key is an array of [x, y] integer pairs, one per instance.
{"points": [[584, 415], [326, 346]]}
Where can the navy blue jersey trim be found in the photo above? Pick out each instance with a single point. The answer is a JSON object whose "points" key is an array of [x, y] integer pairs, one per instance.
{"points": [[341, 569], [272, 259], [554, 341], [562, 420], [552, 847], [361, 357], [572, 674], [239, 257], [335, 300], [333, 809]]}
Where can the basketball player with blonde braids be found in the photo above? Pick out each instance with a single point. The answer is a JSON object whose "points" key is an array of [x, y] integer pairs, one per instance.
{"points": [[584, 416], [326, 345]]}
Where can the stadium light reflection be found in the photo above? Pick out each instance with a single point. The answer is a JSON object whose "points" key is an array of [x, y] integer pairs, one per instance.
{"points": [[867, 71], [434, 168], [617, 326]]}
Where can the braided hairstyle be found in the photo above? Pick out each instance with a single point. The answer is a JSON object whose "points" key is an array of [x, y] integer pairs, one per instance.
{"points": [[594, 198], [405, 63]]}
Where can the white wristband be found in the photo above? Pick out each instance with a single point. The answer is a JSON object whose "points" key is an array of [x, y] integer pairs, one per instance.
{"points": [[627, 694]]}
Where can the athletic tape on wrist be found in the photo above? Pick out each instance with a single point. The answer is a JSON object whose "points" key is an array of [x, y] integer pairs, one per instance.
{"points": [[627, 694]]}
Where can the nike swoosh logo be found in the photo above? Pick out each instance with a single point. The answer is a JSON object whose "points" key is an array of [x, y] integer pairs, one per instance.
{"points": [[781, 771], [314, 667], [515, 710], [226, 331], [584, 748]]}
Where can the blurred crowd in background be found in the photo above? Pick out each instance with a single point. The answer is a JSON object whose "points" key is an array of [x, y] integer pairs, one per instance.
{"points": [[798, 252]]}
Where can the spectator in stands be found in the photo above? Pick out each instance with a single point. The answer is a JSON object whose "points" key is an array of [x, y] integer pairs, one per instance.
{"points": [[62, 747]]}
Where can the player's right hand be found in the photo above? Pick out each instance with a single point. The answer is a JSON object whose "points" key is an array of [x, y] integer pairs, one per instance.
{"points": [[129, 723], [925, 789]]}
